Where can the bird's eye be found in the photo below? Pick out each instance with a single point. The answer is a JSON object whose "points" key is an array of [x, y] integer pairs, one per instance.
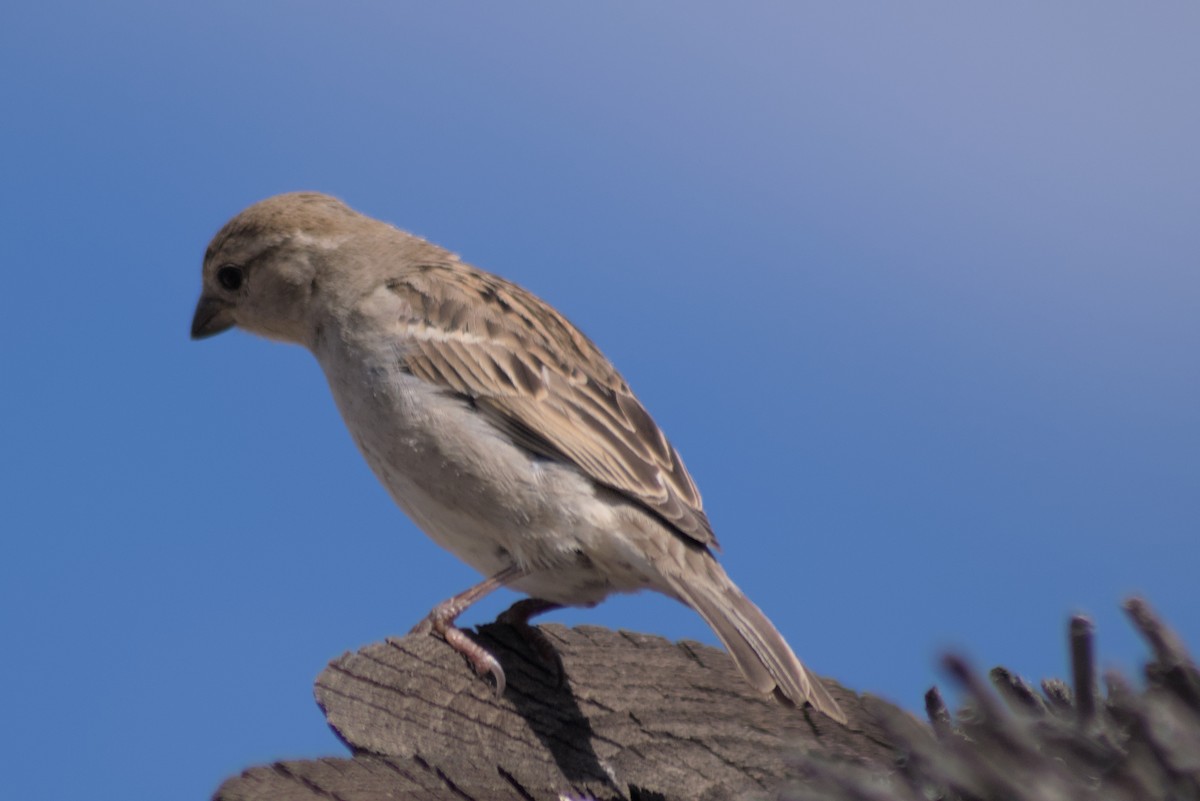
{"points": [[230, 276]]}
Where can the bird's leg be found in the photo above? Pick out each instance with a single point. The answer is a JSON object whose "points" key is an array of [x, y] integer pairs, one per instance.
{"points": [[440, 621], [518, 616], [520, 613]]}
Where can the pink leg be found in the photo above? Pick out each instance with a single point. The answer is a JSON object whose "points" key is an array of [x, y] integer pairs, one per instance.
{"points": [[440, 621], [520, 613], [518, 616]]}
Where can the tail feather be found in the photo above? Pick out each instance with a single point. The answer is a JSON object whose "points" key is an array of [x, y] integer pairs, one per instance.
{"points": [[757, 648]]}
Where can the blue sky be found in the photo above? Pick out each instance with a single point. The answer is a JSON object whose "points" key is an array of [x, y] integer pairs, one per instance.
{"points": [[913, 289]]}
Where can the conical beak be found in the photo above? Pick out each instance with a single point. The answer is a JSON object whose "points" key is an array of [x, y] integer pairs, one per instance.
{"points": [[213, 316]]}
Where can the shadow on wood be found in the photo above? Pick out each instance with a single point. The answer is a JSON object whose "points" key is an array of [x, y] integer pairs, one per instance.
{"points": [[630, 716], [637, 717]]}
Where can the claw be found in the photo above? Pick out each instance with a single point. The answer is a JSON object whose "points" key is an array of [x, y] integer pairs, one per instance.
{"points": [[482, 661], [440, 621]]}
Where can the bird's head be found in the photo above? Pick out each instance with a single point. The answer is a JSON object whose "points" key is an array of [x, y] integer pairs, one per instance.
{"points": [[264, 266]]}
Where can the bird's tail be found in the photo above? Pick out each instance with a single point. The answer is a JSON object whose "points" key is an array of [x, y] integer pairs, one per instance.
{"points": [[759, 651]]}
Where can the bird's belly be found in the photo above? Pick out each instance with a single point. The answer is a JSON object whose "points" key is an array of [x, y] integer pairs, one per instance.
{"points": [[481, 497]]}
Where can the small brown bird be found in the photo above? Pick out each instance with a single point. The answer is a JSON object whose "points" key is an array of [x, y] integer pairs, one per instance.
{"points": [[494, 423]]}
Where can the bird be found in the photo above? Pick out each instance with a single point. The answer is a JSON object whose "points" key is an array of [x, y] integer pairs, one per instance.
{"points": [[494, 423]]}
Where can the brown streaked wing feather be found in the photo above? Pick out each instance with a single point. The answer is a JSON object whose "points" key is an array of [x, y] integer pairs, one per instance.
{"points": [[545, 384]]}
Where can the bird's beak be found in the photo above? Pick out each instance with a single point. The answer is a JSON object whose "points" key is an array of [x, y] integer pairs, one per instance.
{"points": [[213, 316]]}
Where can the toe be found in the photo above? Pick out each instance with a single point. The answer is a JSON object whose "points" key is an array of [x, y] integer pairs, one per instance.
{"points": [[482, 661]]}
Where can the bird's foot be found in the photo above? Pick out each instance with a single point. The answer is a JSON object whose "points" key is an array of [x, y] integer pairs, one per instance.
{"points": [[518, 616], [482, 661], [440, 622]]}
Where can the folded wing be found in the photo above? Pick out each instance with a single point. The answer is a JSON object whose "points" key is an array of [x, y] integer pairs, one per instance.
{"points": [[545, 384]]}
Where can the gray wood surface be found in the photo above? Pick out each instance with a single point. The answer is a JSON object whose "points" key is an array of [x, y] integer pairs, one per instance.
{"points": [[636, 717], [624, 715]]}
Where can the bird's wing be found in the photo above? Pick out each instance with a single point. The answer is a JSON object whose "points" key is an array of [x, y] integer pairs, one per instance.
{"points": [[544, 383]]}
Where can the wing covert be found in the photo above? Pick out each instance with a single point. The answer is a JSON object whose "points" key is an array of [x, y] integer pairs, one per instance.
{"points": [[545, 384]]}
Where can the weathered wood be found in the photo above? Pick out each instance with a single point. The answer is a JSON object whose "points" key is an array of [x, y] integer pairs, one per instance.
{"points": [[628, 716], [637, 717]]}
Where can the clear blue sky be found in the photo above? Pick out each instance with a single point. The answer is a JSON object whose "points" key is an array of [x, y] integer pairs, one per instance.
{"points": [[913, 288]]}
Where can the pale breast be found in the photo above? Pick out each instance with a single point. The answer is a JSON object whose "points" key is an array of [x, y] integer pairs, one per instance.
{"points": [[468, 486]]}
